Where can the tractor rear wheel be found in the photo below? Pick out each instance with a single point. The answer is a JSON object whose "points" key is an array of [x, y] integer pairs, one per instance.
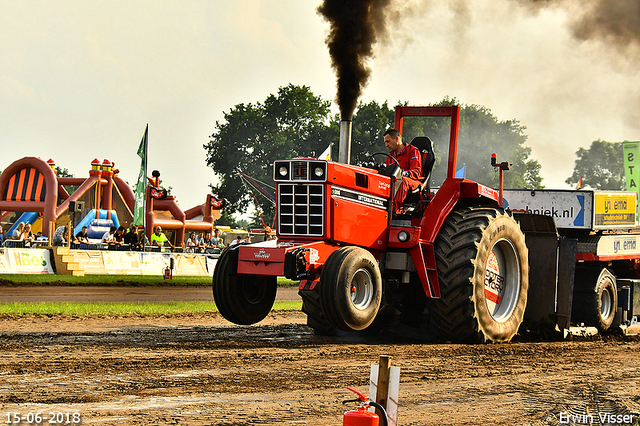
{"points": [[595, 298], [241, 299], [483, 270], [350, 289]]}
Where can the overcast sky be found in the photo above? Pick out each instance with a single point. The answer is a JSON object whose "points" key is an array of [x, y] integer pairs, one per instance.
{"points": [[80, 79]]}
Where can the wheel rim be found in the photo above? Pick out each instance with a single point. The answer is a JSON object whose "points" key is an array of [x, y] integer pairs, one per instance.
{"points": [[361, 289], [254, 291], [502, 280], [606, 304]]}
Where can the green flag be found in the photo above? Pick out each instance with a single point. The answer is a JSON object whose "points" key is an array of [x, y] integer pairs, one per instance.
{"points": [[138, 210]]}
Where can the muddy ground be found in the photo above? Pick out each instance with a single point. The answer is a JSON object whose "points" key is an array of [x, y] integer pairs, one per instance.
{"points": [[201, 370]]}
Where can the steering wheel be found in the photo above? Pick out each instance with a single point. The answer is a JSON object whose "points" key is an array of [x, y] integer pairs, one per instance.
{"points": [[384, 153]]}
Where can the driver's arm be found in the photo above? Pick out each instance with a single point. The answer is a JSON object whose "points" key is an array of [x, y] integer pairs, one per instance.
{"points": [[414, 171]]}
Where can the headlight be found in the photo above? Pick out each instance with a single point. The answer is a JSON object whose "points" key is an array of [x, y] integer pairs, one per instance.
{"points": [[317, 170], [283, 171], [403, 236]]}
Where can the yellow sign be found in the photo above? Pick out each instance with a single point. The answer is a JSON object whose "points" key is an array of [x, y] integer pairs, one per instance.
{"points": [[615, 209]]}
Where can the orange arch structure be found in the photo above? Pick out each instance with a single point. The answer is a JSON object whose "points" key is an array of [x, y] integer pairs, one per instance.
{"points": [[30, 185]]}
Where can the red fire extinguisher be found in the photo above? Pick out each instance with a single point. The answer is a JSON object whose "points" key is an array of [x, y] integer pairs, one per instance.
{"points": [[360, 416]]}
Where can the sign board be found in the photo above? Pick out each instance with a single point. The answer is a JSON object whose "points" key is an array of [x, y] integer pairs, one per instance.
{"points": [[618, 245], [393, 391], [574, 209], [614, 209], [26, 261], [569, 209]]}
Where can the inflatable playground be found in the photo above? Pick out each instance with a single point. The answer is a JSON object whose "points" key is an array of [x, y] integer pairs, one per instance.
{"points": [[32, 193]]}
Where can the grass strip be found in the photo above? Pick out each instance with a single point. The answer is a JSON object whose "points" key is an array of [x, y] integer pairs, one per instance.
{"points": [[139, 308], [112, 280]]}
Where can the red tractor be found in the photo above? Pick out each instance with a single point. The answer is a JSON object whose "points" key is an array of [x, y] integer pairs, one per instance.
{"points": [[455, 257]]}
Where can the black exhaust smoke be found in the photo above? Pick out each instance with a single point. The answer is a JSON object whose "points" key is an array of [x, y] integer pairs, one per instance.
{"points": [[355, 27]]}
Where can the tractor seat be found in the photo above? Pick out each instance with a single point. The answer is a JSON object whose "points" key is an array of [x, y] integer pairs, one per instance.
{"points": [[425, 146]]}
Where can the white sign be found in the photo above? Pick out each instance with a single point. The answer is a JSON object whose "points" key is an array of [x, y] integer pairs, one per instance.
{"points": [[392, 394], [569, 209], [26, 261]]}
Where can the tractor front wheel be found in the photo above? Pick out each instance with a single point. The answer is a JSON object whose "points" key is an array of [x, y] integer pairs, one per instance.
{"points": [[241, 299], [350, 289], [483, 270]]}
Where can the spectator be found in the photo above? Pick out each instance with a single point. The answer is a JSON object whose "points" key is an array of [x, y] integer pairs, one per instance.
{"points": [[2, 236], [131, 237], [192, 241], [200, 240], [216, 240], [60, 236], [206, 241], [158, 238], [82, 237], [107, 237], [237, 241], [247, 239], [15, 235], [118, 237], [26, 235]]}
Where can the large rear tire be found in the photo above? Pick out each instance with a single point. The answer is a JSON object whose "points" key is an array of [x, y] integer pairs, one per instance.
{"points": [[241, 299], [350, 289], [595, 298], [483, 270]]}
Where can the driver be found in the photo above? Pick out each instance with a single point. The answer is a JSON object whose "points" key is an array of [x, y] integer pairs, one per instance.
{"points": [[410, 161]]}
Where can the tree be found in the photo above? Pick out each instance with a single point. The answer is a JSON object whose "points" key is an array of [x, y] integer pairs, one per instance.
{"points": [[600, 167], [293, 123], [369, 124], [297, 123], [60, 172], [480, 135]]}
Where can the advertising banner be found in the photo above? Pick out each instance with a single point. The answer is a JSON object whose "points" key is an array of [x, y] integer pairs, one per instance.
{"points": [[614, 209], [26, 261]]}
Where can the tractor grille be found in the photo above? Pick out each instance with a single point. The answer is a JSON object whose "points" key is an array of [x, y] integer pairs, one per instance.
{"points": [[300, 170], [301, 210]]}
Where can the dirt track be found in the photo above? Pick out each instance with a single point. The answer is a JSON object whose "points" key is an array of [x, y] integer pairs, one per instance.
{"points": [[200, 370]]}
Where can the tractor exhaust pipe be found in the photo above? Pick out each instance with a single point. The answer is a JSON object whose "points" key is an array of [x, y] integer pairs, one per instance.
{"points": [[344, 149]]}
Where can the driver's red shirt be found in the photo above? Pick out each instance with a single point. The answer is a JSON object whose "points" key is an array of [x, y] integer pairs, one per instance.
{"points": [[410, 161]]}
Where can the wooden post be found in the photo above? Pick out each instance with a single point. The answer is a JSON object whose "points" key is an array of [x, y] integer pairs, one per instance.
{"points": [[51, 230], [383, 382]]}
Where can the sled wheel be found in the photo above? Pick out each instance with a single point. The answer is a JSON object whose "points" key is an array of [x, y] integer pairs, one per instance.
{"points": [[241, 299], [596, 298], [350, 289], [483, 269]]}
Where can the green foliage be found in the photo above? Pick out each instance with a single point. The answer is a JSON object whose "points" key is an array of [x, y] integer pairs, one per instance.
{"points": [[60, 172], [293, 123], [296, 123], [369, 124], [480, 135], [227, 219], [600, 167]]}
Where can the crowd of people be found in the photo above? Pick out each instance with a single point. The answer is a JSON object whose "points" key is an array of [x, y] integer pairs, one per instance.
{"points": [[132, 238], [23, 235]]}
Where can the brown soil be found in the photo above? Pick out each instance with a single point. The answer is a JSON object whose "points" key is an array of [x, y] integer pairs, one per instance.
{"points": [[201, 370]]}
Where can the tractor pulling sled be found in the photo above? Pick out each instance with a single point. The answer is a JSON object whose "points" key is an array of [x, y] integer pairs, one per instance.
{"points": [[456, 258]]}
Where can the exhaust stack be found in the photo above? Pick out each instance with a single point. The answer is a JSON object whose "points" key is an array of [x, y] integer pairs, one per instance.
{"points": [[344, 149]]}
